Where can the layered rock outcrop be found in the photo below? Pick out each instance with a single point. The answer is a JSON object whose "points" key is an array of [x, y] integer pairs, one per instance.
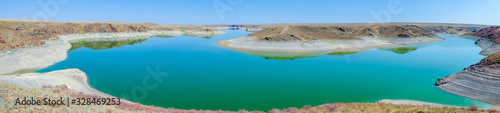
{"points": [[480, 81]]}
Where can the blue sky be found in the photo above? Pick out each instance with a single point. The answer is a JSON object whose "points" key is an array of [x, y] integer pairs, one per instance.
{"points": [[256, 11]]}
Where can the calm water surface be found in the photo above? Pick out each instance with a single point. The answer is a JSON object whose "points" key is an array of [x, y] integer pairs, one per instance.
{"points": [[202, 75]]}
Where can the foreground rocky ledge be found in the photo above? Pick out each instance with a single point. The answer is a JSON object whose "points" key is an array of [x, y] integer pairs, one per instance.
{"points": [[480, 81], [72, 78]]}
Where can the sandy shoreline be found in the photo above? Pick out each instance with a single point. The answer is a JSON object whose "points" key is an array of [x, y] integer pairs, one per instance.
{"points": [[366, 43], [74, 79], [414, 102], [488, 46], [26, 59]]}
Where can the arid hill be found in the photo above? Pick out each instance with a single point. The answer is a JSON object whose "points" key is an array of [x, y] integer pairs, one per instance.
{"points": [[438, 28], [490, 33], [24, 33], [305, 33], [450, 29]]}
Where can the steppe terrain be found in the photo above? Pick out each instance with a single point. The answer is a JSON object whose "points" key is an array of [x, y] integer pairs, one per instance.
{"points": [[28, 45]]}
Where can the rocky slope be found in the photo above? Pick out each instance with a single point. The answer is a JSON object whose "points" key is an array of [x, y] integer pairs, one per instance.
{"points": [[492, 33], [24, 33], [443, 29], [480, 81]]}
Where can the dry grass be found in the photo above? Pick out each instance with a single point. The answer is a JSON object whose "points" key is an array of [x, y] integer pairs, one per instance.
{"points": [[305, 33], [495, 58], [378, 108]]}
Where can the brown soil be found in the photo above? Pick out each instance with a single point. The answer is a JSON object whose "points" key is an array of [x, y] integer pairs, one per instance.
{"points": [[490, 33], [305, 33], [494, 58]]}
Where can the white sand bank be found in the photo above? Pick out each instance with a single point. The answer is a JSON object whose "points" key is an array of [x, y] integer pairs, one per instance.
{"points": [[73, 78], [366, 43]]}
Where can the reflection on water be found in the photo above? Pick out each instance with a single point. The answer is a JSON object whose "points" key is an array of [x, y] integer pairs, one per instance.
{"points": [[292, 56], [98, 45], [283, 56], [402, 50]]}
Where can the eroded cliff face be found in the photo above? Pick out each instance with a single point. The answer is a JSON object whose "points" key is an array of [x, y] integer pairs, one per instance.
{"points": [[24, 33], [333, 32], [492, 33], [480, 81]]}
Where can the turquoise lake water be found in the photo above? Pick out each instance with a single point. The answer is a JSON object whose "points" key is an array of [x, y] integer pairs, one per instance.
{"points": [[202, 75]]}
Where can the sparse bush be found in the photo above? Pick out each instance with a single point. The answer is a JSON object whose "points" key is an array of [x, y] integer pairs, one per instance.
{"points": [[492, 111], [292, 110], [472, 108], [306, 107], [242, 111], [331, 107], [275, 111], [258, 112]]}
